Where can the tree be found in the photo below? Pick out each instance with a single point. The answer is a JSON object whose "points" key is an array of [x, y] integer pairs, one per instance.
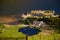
{"points": [[31, 19], [1, 27], [59, 16]]}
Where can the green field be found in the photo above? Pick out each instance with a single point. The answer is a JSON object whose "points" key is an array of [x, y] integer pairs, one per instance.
{"points": [[11, 33]]}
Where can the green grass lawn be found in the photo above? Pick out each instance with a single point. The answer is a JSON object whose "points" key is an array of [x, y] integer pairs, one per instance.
{"points": [[11, 33]]}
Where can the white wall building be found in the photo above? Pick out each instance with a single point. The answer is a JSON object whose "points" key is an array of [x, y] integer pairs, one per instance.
{"points": [[45, 13], [40, 14], [25, 16]]}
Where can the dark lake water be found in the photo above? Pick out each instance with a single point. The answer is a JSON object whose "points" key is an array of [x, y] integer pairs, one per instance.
{"points": [[29, 31]]}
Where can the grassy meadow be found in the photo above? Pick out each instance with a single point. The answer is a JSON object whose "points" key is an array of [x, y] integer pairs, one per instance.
{"points": [[11, 33]]}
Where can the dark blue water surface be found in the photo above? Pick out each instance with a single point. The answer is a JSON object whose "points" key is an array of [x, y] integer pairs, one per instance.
{"points": [[29, 31]]}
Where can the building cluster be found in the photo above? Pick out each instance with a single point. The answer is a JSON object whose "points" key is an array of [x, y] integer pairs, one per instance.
{"points": [[40, 14], [16, 19]]}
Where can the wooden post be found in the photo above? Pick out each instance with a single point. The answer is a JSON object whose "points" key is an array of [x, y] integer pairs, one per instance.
{"points": [[26, 36]]}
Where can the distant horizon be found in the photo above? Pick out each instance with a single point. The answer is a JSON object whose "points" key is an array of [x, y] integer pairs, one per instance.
{"points": [[25, 12]]}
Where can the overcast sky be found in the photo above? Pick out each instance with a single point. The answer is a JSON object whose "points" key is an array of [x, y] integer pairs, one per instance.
{"points": [[8, 7]]}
